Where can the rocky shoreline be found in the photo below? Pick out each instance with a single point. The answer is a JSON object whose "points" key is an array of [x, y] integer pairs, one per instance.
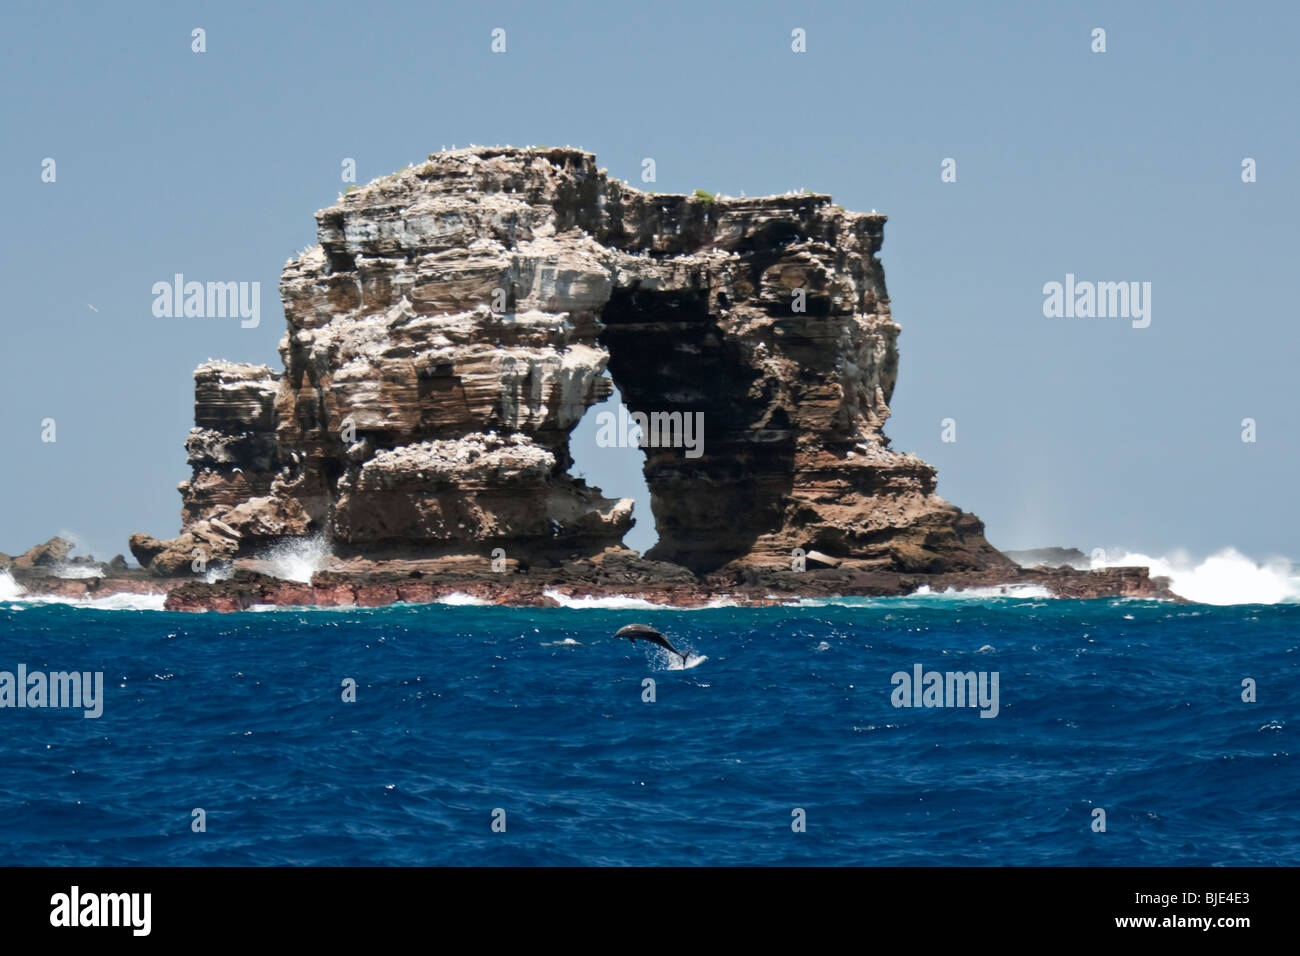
{"points": [[617, 573], [50, 570], [247, 589]]}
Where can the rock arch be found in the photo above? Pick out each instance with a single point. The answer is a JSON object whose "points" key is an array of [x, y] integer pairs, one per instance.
{"points": [[412, 419]]}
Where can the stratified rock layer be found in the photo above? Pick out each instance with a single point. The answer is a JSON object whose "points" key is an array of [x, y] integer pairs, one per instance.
{"points": [[458, 318]]}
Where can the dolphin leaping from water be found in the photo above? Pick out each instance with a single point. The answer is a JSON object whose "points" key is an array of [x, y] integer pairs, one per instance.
{"points": [[643, 632]]}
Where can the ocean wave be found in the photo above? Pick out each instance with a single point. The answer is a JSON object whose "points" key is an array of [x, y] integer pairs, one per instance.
{"points": [[1226, 577], [119, 601], [459, 599], [924, 595], [10, 590], [455, 598], [1021, 591], [621, 602]]}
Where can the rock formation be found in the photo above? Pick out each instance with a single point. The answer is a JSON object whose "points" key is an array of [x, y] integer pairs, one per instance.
{"points": [[51, 570], [456, 320], [50, 555]]}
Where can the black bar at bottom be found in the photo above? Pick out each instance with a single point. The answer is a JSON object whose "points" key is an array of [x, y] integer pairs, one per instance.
{"points": [[335, 905]]}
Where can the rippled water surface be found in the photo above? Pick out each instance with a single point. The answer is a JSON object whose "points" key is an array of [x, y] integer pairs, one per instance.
{"points": [[1131, 707]]}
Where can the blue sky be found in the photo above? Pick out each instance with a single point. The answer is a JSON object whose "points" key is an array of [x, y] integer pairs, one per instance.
{"points": [[1122, 166]]}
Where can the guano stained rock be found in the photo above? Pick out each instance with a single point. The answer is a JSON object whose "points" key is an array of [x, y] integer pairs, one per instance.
{"points": [[456, 320]]}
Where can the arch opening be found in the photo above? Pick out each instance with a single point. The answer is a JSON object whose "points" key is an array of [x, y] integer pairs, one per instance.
{"points": [[723, 476], [616, 468]]}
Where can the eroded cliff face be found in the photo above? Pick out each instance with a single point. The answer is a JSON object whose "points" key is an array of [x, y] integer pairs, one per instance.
{"points": [[457, 319]]}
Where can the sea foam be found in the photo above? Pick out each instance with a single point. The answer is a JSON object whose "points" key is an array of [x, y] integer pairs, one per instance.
{"points": [[9, 588], [297, 559], [621, 602], [1226, 577]]}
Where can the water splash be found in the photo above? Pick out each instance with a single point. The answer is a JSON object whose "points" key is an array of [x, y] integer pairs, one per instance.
{"points": [[984, 593], [459, 599], [620, 602], [218, 572], [9, 588], [1226, 577], [661, 658], [297, 559], [77, 571]]}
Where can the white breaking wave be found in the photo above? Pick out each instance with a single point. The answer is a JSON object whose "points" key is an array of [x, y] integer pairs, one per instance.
{"points": [[620, 602], [459, 599], [1227, 577], [120, 601], [925, 595], [297, 559], [9, 588], [980, 594]]}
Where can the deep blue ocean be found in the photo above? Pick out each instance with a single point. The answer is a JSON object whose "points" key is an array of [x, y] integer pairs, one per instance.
{"points": [[1129, 706]]}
